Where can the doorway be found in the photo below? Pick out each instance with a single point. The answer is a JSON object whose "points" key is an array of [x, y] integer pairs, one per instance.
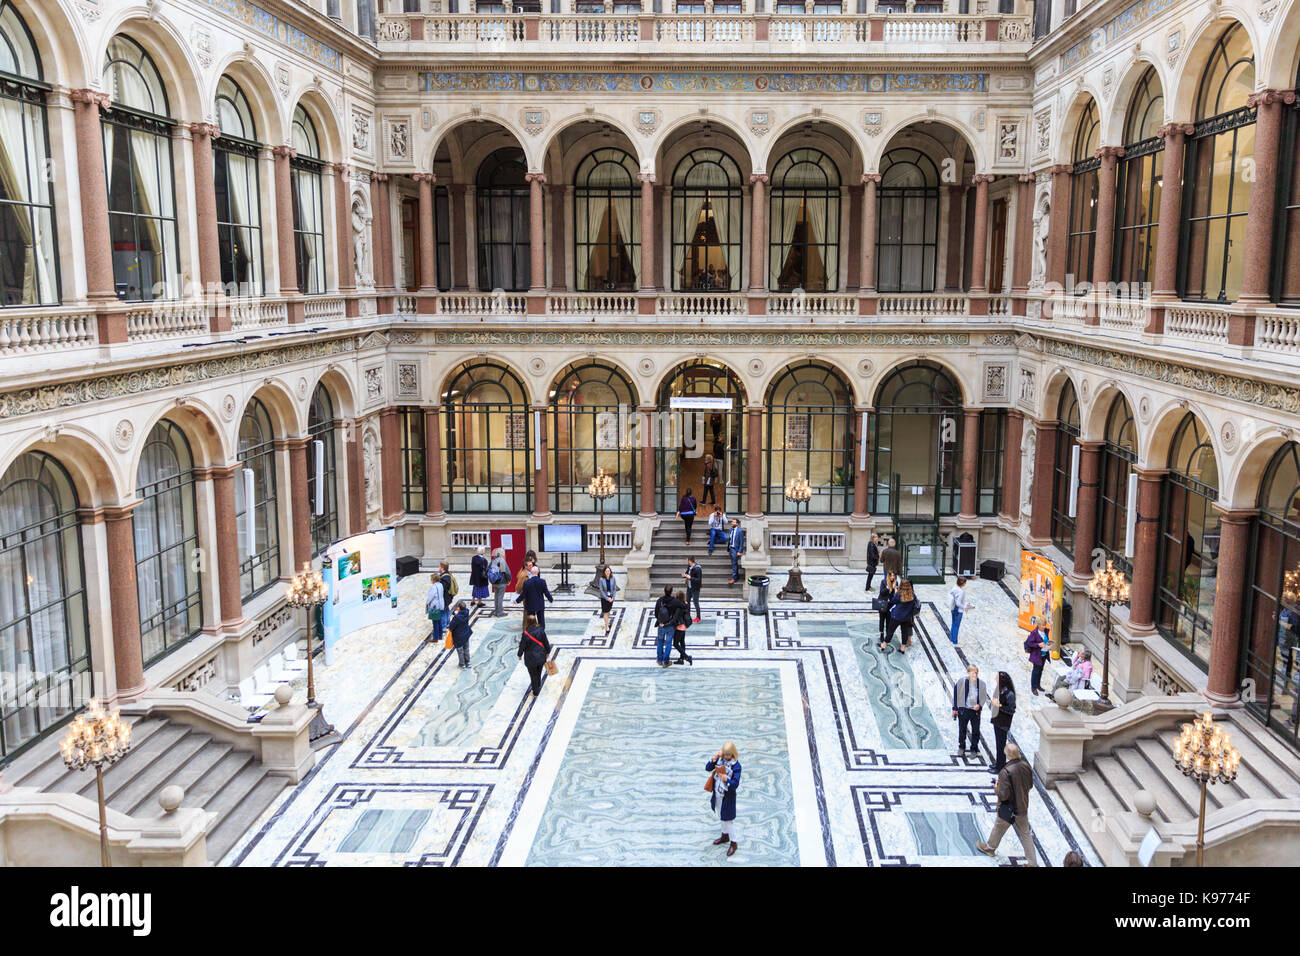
{"points": [[700, 417]]}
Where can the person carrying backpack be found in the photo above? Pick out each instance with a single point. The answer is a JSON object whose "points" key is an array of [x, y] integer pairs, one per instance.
{"points": [[664, 626], [498, 575], [449, 585], [686, 511], [903, 608]]}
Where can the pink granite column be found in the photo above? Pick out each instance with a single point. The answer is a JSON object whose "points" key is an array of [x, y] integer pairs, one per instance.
{"points": [[558, 244], [343, 229], [870, 212], [1165, 269], [1021, 262], [205, 216], [536, 233], [541, 481], [93, 181], [356, 478], [1229, 601], [458, 233], [1040, 514], [1104, 248], [284, 231], [1085, 506], [428, 242], [433, 461], [390, 463], [1058, 231], [1142, 593], [758, 241], [648, 247], [1011, 465], [382, 244], [124, 601], [227, 546], [647, 413], [861, 437], [956, 229], [970, 464], [979, 241], [300, 501], [754, 450]]}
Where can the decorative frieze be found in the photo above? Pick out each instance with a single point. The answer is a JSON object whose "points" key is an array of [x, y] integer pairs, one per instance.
{"points": [[267, 23], [199, 677], [696, 83], [692, 339], [266, 627]]}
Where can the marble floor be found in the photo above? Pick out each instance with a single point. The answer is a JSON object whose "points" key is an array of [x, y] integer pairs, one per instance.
{"points": [[848, 753]]}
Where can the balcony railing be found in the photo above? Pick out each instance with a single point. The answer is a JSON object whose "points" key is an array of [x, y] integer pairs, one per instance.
{"points": [[702, 303], [256, 314], [45, 331], [1201, 323], [165, 320], [1278, 331], [922, 304], [812, 304], [594, 303], [481, 303]]}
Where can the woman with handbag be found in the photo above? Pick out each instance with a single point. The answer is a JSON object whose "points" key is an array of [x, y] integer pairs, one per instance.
{"points": [[686, 511], [606, 588], [682, 610], [903, 608], [724, 780], [534, 651], [1003, 708], [888, 588], [434, 607]]}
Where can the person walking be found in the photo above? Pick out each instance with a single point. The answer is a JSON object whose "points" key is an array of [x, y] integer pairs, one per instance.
{"points": [[1003, 708], [717, 527], [525, 570], [1014, 784], [873, 559], [958, 605], [498, 575], [903, 608], [686, 511], [725, 770], [534, 595], [694, 575], [665, 621], [888, 591], [460, 633], [534, 649], [1037, 647], [448, 584], [680, 623], [968, 698], [478, 579], [608, 587], [891, 559], [710, 478], [735, 548], [434, 606]]}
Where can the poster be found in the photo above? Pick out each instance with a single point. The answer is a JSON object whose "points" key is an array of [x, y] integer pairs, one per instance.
{"points": [[360, 580], [1041, 589]]}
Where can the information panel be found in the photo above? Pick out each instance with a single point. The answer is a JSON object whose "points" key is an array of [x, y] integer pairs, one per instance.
{"points": [[362, 585]]}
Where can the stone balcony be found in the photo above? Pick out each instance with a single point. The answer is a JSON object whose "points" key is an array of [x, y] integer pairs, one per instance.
{"points": [[881, 34]]}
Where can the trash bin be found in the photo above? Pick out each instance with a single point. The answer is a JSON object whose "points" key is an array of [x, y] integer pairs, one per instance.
{"points": [[758, 593]]}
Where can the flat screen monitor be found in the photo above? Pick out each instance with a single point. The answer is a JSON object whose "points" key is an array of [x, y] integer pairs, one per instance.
{"points": [[562, 538]]}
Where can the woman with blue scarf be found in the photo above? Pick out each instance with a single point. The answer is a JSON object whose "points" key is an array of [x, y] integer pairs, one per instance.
{"points": [[725, 768]]}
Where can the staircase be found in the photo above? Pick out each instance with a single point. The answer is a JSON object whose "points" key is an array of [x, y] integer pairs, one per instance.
{"points": [[228, 782], [670, 552], [1256, 818]]}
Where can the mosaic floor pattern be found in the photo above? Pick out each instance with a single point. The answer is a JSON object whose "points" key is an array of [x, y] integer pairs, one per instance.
{"points": [[849, 753]]}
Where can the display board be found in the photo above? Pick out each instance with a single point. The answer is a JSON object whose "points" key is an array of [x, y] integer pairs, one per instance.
{"points": [[562, 538], [362, 584], [1042, 588]]}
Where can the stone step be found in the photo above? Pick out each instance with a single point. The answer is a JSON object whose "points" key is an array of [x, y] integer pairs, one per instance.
{"points": [[238, 807], [140, 756], [1159, 753], [157, 774], [1275, 764], [1169, 804], [44, 769], [1100, 795], [206, 787], [187, 775]]}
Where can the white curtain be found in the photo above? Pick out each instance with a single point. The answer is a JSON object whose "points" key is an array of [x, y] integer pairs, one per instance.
{"points": [[594, 215], [239, 178], [309, 224], [693, 203], [149, 166], [629, 226], [162, 522], [789, 208], [815, 213], [22, 172], [728, 230]]}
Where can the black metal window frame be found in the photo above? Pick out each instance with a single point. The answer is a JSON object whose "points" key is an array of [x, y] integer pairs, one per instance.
{"points": [[414, 495], [495, 248], [442, 236], [513, 496], [321, 427], [683, 232], [1139, 179], [1067, 436], [20, 545], [925, 389], [584, 245], [779, 250], [906, 198], [235, 153], [1082, 231], [1117, 461], [307, 186], [261, 457], [178, 615], [1287, 229], [782, 464], [570, 497], [720, 381], [992, 459]]}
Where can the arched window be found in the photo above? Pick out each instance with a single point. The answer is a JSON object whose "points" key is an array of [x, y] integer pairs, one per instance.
{"points": [[308, 205], [593, 409], [239, 207], [29, 268], [259, 556], [320, 428], [1272, 625], [137, 132], [1216, 188], [502, 228], [44, 639], [442, 236], [1118, 456], [607, 222], [916, 439], [707, 217], [489, 441], [908, 240], [992, 459], [1286, 265], [685, 435], [809, 433], [804, 216], [414, 494], [1083, 197], [166, 543], [1187, 567], [1067, 439], [1138, 182]]}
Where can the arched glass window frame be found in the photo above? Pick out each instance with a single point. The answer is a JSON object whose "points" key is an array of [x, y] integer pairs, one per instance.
{"points": [[907, 199], [1287, 230], [782, 464], [779, 249], [442, 236], [1083, 199], [58, 691], [584, 194], [992, 460], [1139, 180], [494, 249], [1232, 128], [1118, 456], [262, 458], [167, 547], [1193, 499], [120, 123], [507, 497], [24, 90], [917, 388], [1067, 437], [235, 156], [414, 493], [305, 168], [322, 427], [717, 380], [730, 198], [621, 461]]}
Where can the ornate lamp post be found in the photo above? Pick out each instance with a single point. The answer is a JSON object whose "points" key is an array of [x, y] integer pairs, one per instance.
{"points": [[1205, 753], [93, 739], [799, 491], [1108, 587], [1291, 587], [308, 590], [601, 487]]}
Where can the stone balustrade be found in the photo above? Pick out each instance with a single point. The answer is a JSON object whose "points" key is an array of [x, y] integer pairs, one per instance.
{"points": [[46, 330], [702, 304], [1201, 323], [481, 303], [324, 308], [922, 304], [1278, 331], [256, 314], [813, 304], [150, 321], [591, 303]]}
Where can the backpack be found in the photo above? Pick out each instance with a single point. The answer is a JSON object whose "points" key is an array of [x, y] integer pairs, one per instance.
{"points": [[453, 588], [661, 615], [494, 574]]}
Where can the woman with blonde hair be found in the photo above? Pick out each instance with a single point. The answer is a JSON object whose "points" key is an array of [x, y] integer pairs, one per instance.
{"points": [[724, 770], [888, 588], [903, 608]]}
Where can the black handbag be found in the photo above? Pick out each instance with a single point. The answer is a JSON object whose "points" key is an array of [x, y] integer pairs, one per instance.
{"points": [[1007, 811], [879, 604]]}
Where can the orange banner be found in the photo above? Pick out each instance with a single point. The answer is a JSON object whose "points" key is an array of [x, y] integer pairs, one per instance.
{"points": [[1041, 588]]}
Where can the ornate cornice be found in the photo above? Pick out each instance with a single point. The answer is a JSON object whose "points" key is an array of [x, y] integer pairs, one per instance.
{"points": [[695, 81], [737, 339]]}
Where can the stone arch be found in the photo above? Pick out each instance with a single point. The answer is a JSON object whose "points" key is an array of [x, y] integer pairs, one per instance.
{"points": [[1154, 451], [849, 161], [464, 162], [832, 363], [341, 391], [199, 423], [280, 406], [1282, 52], [973, 139], [329, 129], [1063, 152], [603, 359], [258, 86], [1180, 101], [565, 160], [1112, 129], [98, 474], [1092, 423], [64, 58], [448, 373], [940, 363], [674, 141], [1241, 490], [169, 51], [662, 382], [1052, 389]]}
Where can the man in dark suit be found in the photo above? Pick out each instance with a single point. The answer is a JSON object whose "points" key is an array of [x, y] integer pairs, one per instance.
{"points": [[891, 559], [735, 548], [534, 595], [968, 697], [873, 558], [694, 575]]}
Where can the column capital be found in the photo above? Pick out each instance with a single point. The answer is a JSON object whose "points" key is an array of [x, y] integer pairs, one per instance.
{"points": [[758, 178], [210, 130], [91, 97], [283, 152], [870, 178], [1269, 97], [379, 177], [1174, 129], [647, 178], [429, 178], [1060, 169], [342, 169], [1026, 178], [982, 178], [1235, 515], [1110, 152], [535, 178]]}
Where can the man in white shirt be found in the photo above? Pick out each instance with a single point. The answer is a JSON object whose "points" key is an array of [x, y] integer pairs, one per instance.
{"points": [[958, 605]]}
